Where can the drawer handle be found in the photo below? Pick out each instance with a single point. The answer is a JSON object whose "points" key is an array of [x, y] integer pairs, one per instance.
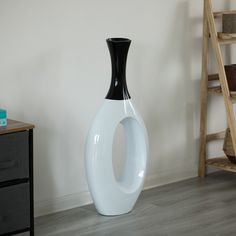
{"points": [[4, 165]]}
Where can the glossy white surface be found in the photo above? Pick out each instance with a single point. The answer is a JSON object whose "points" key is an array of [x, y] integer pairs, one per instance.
{"points": [[112, 197]]}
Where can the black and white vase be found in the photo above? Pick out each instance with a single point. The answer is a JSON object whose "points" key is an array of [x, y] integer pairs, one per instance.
{"points": [[112, 196]]}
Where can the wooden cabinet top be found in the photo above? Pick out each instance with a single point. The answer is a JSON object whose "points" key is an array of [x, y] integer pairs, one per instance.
{"points": [[15, 126]]}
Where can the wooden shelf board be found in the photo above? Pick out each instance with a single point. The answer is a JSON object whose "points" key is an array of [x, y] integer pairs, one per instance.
{"points": [[215, 136], [215, 89], [233, 97], [226, 36], [220, 13], [221, 163], [226, 41], [218, 91], [213, 77]]}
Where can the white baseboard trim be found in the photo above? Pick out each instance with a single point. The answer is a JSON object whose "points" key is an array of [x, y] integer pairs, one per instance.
{"points": [[167, 177], [83, 198], [62, 203]]}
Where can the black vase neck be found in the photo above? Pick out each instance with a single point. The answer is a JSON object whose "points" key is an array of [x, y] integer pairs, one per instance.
{"points": [[118, 48]]}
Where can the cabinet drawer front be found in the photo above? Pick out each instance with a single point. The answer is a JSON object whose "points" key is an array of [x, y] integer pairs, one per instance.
{"points": [[14, 156], [14, 208]]}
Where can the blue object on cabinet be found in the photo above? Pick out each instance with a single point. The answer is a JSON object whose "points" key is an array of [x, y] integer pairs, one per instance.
{"points": [[3, 117]]}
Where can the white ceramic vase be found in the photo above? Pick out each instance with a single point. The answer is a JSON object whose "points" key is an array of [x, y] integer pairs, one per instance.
{"points": [[112, 196]]}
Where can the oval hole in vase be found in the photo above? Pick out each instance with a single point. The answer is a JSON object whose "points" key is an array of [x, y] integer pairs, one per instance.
{"points": [[129, 154], [118, 152]]}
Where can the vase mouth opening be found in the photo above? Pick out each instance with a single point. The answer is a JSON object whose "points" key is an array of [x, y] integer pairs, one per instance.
{"points": [[118, 40]]}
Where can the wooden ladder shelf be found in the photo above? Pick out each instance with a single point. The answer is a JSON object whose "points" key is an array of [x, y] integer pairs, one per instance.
{"points": [[210, 34]]}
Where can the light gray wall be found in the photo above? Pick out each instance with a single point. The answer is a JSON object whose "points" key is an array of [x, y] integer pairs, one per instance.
{"points": [[55, 72]]}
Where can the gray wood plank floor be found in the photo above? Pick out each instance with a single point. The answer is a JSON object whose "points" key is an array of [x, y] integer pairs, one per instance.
{"points": [[201, 207]]}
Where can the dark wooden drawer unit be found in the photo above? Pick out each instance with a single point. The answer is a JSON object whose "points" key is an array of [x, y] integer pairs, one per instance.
{"points": [[16, 178], [14, 208], [14, 156]]}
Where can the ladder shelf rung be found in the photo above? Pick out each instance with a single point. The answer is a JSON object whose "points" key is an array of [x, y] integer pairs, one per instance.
{"points": [[226, 41], [213, 77], [220, 13], [233, 97], [215, 90], [221, 163], [218, 91], [215, 136], [226, 36]]}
